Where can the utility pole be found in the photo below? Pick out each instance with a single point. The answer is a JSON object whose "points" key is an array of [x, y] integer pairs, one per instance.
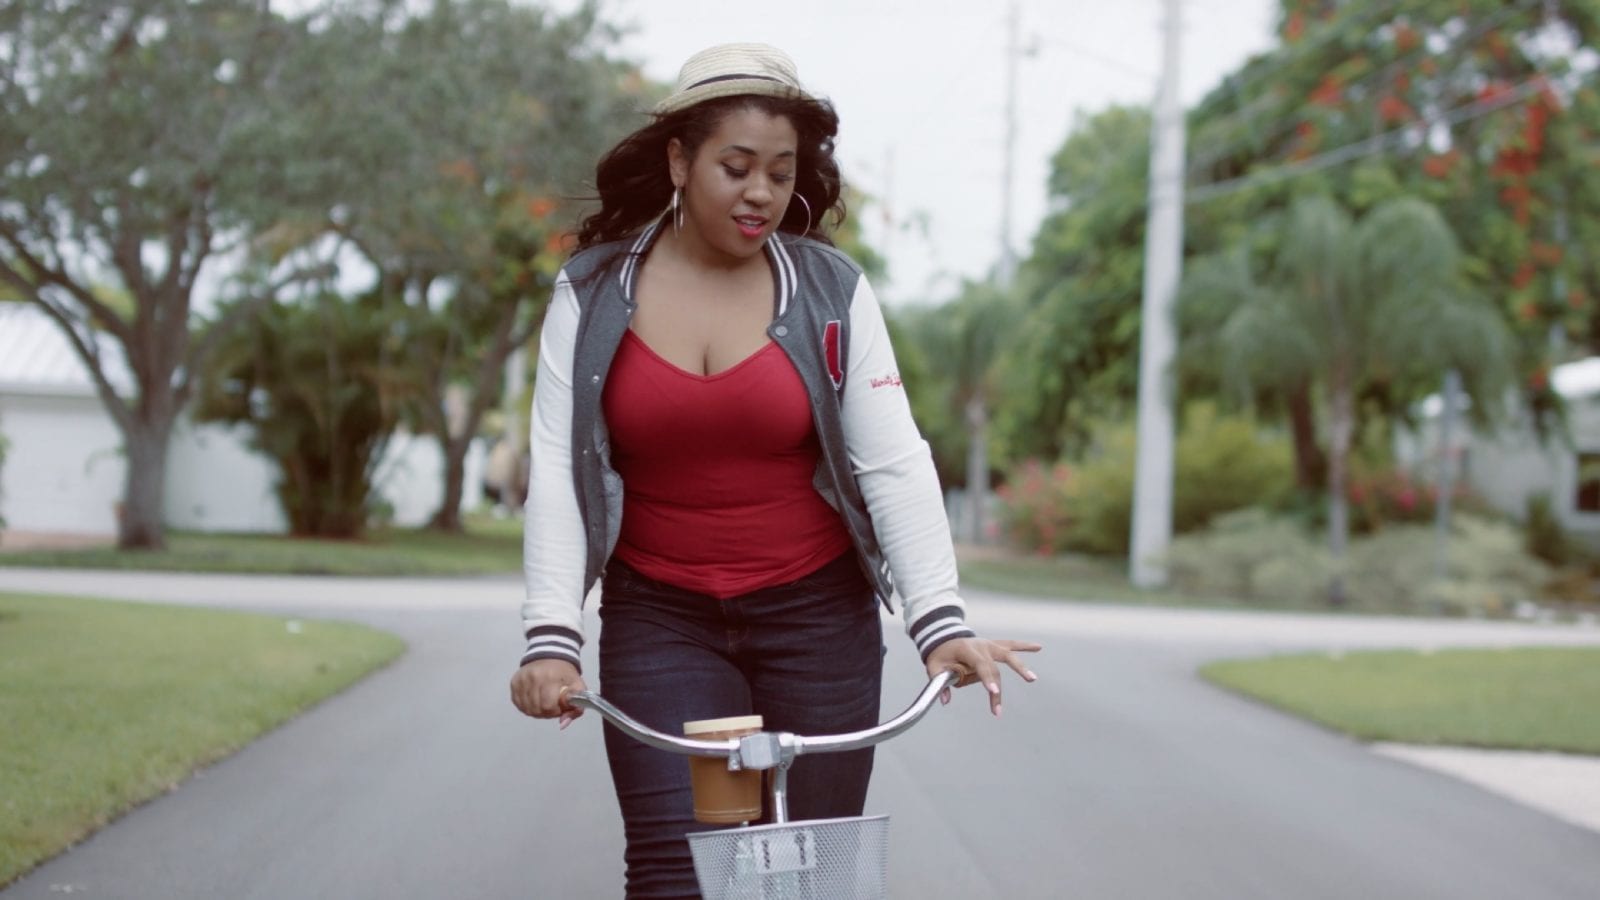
{"points": [[1008, 256], [1163, 265], [1446, 478]]}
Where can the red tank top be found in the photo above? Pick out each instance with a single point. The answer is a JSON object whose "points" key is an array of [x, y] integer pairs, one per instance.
{"points": [[717, 472]]}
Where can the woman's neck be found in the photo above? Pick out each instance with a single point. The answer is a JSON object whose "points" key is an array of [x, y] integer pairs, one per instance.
{"points": [[687, 248]]}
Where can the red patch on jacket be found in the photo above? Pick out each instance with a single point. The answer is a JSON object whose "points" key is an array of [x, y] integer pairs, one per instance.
{"points": [[833, 349]]}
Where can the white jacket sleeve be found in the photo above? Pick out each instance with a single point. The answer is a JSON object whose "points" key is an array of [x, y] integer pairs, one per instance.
{"points": [[894, 467], [553, 544]]}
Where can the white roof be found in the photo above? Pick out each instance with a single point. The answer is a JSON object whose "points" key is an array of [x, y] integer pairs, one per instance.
{"points": [[1577, 379], [36, 358], [1573, 381]]}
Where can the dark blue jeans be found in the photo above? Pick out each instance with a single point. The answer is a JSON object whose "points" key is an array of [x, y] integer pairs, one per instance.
{"points": [[807, 656]]}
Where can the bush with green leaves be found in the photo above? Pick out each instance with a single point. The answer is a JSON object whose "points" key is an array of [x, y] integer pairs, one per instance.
{"points": [[323, 385], [1223, 462], [1543, 535], [1256, 555]]}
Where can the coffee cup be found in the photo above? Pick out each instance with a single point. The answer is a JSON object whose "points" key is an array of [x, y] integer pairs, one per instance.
{"points": [[722, 796]]}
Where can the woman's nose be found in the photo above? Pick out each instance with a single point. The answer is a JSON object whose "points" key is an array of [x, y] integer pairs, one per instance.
{"points": [[759, 190]]}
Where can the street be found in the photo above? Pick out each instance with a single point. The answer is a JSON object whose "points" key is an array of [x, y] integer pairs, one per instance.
{"points": [[1118, 774]]}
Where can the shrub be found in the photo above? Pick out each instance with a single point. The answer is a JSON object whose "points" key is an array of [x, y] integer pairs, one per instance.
{"points": [[321, 384], [1223, 463], [1033, 506], [1226, 463], [1254, 555], [1543, 535], [1251, 554], [1488, 571], [1379, 497]]}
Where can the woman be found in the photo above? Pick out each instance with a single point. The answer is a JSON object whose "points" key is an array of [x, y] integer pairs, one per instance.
{"points": [[719, 429]]}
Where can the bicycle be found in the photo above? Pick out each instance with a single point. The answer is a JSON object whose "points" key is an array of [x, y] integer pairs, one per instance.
{"points": [[815, 859]]}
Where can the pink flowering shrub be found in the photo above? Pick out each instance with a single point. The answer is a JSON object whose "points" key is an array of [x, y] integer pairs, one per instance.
{"points": [[1395, 496], [1034, 504]]}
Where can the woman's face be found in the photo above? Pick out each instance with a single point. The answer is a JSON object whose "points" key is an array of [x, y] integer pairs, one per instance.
{"points": [[738, 185]]}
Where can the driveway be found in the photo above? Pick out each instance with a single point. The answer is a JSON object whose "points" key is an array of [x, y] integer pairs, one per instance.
{"points": [[1119, 774]]}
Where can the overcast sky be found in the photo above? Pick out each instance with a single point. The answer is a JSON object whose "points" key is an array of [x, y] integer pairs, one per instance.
{"points": [[920, 89]]}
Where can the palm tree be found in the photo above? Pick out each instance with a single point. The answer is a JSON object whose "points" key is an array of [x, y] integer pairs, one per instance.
{"points": [[1343, 304], [963, 341]]}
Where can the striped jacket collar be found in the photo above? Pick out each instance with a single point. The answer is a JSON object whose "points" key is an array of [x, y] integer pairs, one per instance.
{"points": [[783, 273]]}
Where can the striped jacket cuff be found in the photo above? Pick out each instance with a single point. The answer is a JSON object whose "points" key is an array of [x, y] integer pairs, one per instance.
{"points": [[937, 626], [553, 642]]}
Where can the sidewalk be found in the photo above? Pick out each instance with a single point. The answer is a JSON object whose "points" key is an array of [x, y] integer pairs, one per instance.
{"points": [[1557, 784]]}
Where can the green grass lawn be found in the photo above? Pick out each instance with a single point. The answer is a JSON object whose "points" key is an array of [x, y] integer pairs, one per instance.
{"points": [[488, 546], [1529, 698], [106, 705]]}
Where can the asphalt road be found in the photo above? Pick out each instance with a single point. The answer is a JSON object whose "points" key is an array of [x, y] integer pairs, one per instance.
{"points": [[1119, 774]]}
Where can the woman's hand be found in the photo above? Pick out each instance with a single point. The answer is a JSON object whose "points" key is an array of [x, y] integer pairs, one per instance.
{"points": [[540, 689], [975, 658]]}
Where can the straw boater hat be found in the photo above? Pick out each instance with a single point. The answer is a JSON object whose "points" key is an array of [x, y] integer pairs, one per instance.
{"points": [[728, 70]]}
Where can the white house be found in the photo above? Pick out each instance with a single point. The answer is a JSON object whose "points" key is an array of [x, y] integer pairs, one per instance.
{"points": [[62, 475], [1508, 468]]}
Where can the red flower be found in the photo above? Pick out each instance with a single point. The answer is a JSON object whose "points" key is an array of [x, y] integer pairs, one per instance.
{"points": [[1546, 254], [1405, 38], [1294, 27], [1393, 109], [1329, 92]]}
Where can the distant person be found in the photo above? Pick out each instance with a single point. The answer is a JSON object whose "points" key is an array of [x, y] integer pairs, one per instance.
{"points": [[720, 432], [505, 476]]}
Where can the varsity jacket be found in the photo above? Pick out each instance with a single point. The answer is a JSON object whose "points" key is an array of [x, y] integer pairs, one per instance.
{"points": [[875, 468]]}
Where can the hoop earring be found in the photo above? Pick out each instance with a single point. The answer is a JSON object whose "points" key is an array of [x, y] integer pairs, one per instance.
{"points": [[677, 210], [803, 202]]}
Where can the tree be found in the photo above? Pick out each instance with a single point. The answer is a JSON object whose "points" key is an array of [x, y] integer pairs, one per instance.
{"points": [[1075, 359], [1485, 108], [486, 117], [969, 337], [1343, 303], [140, 141]]}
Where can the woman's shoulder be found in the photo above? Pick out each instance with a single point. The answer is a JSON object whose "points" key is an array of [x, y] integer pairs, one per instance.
{"points": [[594, 259], [812, 252]]}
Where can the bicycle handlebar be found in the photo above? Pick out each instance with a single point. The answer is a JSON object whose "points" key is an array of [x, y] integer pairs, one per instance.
{"points": [[765, 749]]}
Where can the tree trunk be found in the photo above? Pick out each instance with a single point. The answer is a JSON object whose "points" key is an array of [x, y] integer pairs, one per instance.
{"points": [[140, 523], [448, 516], [1340, 427], [977, 467], [1310, 465]]}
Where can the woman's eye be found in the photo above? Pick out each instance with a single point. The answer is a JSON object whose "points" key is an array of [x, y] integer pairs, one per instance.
{"points": [[783, 179], [737, 173]]}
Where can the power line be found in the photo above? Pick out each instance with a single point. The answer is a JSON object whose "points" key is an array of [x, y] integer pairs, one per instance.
{"points": [[1095, 56], [1387, 72], [1368, 147]]}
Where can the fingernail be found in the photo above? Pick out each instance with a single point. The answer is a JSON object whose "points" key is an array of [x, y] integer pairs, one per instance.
{"points": [[993, 688], [1032, 677], [997, 711], [564, 724]]}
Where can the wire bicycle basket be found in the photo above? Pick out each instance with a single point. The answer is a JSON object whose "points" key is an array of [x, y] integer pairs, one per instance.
{"points": [[820, 859]]}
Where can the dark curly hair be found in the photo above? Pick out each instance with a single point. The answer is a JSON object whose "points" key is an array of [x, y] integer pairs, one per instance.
{"points": [[635, 186]]}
